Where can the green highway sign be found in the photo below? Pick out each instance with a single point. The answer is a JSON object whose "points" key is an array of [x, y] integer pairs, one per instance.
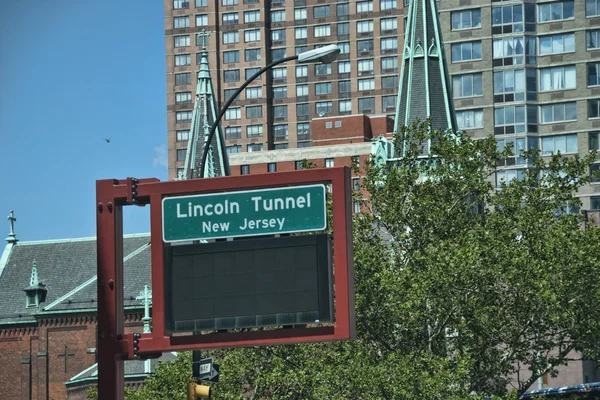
{"points": [[244, 213]]}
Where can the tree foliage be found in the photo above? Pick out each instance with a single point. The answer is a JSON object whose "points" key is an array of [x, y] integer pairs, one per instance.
{"points": [[463, 290]]}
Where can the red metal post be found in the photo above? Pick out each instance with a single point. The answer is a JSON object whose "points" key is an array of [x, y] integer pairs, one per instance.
{"points": [[109, 230]]}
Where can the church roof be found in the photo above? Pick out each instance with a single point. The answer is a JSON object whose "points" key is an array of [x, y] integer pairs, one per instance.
{"points": [[424, 84], [67, 268]]}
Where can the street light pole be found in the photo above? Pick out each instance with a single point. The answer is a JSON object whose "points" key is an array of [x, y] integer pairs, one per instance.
{"points": [[325, 55]]}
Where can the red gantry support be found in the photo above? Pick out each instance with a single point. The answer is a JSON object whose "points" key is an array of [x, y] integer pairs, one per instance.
{"points": [[114, 346]]}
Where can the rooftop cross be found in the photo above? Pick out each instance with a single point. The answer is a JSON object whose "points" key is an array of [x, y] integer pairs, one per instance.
{"points": [[145, 298], [12, 237], [203, 35]]}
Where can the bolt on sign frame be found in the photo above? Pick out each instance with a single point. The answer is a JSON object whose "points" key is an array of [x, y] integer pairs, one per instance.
{"points": [[114, 346]]}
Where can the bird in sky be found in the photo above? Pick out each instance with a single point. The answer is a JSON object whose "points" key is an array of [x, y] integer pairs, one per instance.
{"points": [[107, 140]]}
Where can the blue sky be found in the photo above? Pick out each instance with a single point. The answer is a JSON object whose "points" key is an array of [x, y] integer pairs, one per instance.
{"points": [[72, 73]]}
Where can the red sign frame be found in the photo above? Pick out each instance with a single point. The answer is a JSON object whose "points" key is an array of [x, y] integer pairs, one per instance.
{"points": [[114, 346]]}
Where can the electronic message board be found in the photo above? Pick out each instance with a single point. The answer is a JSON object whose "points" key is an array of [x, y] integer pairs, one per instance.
{"points": [[248, 283]]}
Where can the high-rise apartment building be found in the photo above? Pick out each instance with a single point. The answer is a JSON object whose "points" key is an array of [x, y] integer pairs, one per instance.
{"points": [[275, 111], [529, 73]]}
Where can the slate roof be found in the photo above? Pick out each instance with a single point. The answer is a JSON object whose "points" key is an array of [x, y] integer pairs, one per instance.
{"points": [[68, 269]]}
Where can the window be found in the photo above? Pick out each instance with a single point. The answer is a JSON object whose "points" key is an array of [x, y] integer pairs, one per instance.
{"points": [[322, 69], [344, 67], [557, 78], [233, 149], [364, 26], [183, 79], [518, 148], [251, 1], [594, 140], [356, 183], [558, 112], [593, 39], [229, 2], [278, 54], [280, 132], [231, 56], [321, 12], [509, 119], [364, 6], [388, 102], [231, 75], [356, 205], [554, 44], [255, 147], [252, 54], [302, 71], [280, 112], [201, 20], [233, 132], [366, 84], [323, 88], [509, 85], [467, 85], [303, 144], [389, 82], [343, 29], [466, 51], [470, 119], [230, 37], [254, 112], [178, 4], [592, 8], [504, 177], [300, 49], [303, 130], [302, 110], [227, 93], [201, 3], [387, 4], [301, 90], [183, 97], [181, 41], [345, 106], [509, 19], [344, 87], [365, 67], [595, 203], [562, 144], [181, 154], [271, 167], [181, 22], [300, 33], [329, 163], [249, 72], [556, 11], [389, 65], [254, 130], [322, 30], [512, 50], [364, 47], [467, 19], [280, 92], [366, 105], [300, 14], [343, 9], [182, 135], [244, 170], [278, 16], [278, 35], [594, 108], [323, 108], [297, 165], [251, 16], [252, 35], [593, 74], [389, 45], [182, 59], [233, 113], [388, 25], [230, 18]]}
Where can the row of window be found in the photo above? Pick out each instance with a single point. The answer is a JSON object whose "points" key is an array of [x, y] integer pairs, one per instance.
{"points": [[521, 119], [342, 9], [522, 17]]}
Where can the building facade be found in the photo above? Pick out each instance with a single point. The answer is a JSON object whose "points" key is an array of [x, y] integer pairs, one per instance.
{"points": [[275, 111]]}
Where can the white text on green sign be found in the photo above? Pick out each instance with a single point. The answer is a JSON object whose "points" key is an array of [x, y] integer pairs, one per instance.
{"points": [[244, 213]]}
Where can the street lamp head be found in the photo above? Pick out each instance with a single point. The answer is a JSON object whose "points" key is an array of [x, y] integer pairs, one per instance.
{"points": [[324, 55]]}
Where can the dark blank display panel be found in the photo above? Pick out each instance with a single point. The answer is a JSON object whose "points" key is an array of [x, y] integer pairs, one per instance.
{"points": [[248, 283]]}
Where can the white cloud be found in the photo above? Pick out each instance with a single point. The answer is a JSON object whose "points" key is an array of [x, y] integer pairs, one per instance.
{"points": [[161, 158]]}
